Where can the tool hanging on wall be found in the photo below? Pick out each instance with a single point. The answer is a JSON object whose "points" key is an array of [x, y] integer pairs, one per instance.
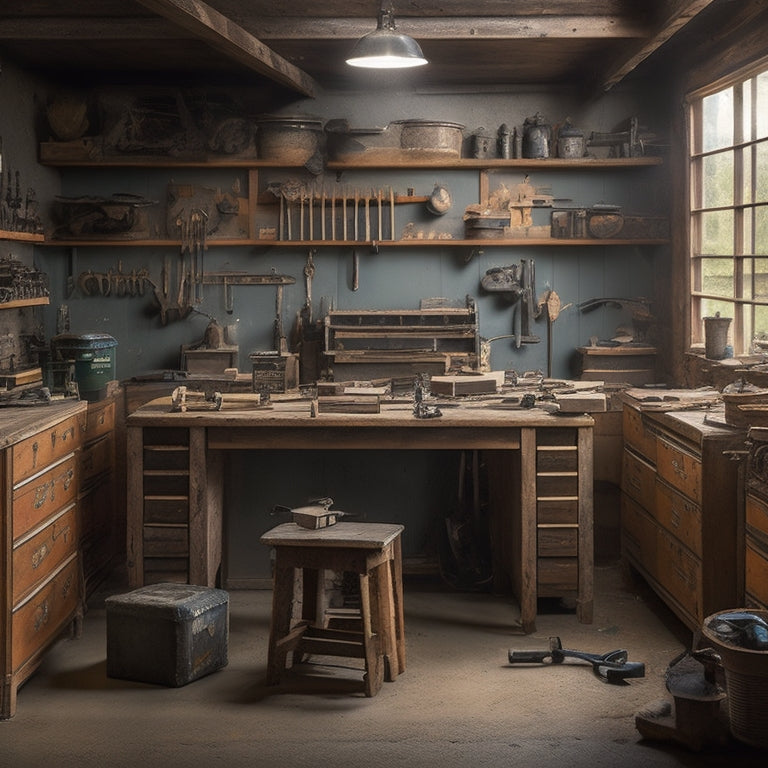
{"points": [[520, 286], [554, 307]]}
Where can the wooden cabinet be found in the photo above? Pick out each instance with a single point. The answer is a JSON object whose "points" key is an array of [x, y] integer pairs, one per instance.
{"points": [[755, 543], [42, 590], [679, 508], [97, 502]]}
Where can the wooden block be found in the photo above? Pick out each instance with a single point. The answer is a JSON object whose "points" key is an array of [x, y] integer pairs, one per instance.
{"points": [[349, 404], [452, 386], [582, 402]]}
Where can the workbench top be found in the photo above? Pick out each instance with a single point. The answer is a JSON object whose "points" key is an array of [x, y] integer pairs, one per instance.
{"points": [[297, 413], [20, 422]]}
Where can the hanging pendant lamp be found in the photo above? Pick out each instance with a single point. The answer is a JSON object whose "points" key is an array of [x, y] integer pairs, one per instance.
{"points": [[386, 48]]}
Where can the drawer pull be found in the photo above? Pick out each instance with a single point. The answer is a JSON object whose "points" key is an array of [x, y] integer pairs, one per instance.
{"points": [[679, 469], [41, 616], [41, 493], [39, 555], [35, 449]]}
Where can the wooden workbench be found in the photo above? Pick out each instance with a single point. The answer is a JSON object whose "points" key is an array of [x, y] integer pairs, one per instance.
{"points": [[540, 473]]}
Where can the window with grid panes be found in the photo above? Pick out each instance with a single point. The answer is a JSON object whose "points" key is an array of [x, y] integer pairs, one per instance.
{"points": [[729, 208]]}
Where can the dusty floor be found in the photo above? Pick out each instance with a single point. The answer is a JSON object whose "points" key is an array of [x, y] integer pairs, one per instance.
{"points": [[458, 704]]}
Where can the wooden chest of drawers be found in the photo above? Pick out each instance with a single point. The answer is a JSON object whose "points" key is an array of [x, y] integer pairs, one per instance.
{"points": [[756, 521], [679, 513], [42, 589]]}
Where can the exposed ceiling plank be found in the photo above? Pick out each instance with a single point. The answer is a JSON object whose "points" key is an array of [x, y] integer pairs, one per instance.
{"points": [[223, 34], [97, 28], [677, 14], [456, 28]]}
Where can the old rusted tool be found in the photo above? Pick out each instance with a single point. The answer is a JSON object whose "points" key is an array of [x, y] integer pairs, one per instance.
{"points": [[344, 214], [357, 203], [611, 667], [368, 215], [317, 514], [391, 213]]}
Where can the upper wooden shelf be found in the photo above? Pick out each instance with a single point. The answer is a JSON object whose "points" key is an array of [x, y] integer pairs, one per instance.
{"points": [[25, 237], [41, 300], [51, 154]]}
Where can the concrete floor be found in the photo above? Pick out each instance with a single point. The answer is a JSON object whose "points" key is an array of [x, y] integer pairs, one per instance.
{"points": [[458, 704]]}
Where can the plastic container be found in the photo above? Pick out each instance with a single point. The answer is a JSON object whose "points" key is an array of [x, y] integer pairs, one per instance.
{"points": [[94, 357]]}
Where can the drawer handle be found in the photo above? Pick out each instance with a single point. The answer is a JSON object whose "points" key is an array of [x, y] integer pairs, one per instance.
{"points": [[41, 493], [39, 555], [35, 449], [678, 469], [41, 616]]}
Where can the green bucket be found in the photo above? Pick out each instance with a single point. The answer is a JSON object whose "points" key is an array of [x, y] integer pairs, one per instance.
{"points": [[94, 358]]}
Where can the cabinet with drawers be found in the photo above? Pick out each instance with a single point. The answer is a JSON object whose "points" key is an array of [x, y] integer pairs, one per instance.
{"points": [[96, 501], [42, 586], [679, 507], [755, 543]]}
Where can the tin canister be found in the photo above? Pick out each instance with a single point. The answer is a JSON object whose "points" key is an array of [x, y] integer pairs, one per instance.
{"points": [[570, 142]]}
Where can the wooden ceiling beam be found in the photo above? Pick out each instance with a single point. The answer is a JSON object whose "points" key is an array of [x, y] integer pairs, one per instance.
{"points": [[474, 28], [223, 34], [677, 13]]}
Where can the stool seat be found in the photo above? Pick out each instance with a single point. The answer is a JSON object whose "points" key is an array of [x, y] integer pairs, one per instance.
{"points": [[372, 551]]}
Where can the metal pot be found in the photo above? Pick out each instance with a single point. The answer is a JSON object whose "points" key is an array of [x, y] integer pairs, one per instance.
{"points": [[289, 140], [431, 137]]}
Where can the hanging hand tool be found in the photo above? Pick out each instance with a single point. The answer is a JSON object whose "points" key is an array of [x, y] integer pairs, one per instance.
{"points": [[281, 223], [380, 234], [611, 667], [355, 269], [302, 196], [333, 215], [322, 215], [391, 213], [312, 212], [344, 214], [357, 203], [368, 217]]}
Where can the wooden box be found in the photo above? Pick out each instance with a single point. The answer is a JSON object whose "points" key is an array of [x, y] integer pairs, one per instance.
{"points": [[167, 634]]}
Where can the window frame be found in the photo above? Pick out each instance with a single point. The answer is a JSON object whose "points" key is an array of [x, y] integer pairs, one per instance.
{"points": [[743, 255]]}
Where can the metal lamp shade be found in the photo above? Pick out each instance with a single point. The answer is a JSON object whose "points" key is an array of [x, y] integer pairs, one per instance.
{"points": [[386, 48]]}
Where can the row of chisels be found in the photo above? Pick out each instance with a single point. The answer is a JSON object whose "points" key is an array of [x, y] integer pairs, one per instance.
{"points": [[310, 212]]}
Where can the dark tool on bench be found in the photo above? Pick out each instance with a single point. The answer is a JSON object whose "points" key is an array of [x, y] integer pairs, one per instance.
{"points": [[611, 667]]}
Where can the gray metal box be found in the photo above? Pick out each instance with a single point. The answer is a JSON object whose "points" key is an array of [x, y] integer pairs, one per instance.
{"points": [[167, 634]]}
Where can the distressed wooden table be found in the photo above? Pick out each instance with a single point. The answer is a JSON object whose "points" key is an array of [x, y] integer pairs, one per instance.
{"points": [[540, 477]]}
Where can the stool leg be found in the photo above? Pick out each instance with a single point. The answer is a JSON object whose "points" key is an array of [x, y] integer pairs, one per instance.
{"points": [[383, 607], [374, 663], [282, 610]]}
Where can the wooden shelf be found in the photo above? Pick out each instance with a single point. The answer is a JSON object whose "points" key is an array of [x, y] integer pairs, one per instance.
{"points": [[372, 244], [42, 300], [51, 155], [24, 237]]}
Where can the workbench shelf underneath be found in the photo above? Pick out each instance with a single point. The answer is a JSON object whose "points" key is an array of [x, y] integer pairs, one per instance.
{"points": [[22, 237]]}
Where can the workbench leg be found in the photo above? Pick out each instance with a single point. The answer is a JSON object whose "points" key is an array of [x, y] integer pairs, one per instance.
{"points": [[585, 599], [374, 662], [528, 545], [281, 641]]}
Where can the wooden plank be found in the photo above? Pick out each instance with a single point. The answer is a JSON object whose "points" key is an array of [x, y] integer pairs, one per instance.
{"points": [[231, 39], [135, 506], [585, 598]]}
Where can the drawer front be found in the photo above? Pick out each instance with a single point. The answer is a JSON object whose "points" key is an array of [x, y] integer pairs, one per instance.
{"points": [[558, 541], [40, 618], [680, 573], [37, 557], [757, 516], [557, 512], [166, 541], [639, 535], [41, 497], [756, 572], [680, 516], [96, 458], [37, 452], [100, 419], [638, 480], [557, 575], [551, 460], [557, 485], [679, 468], [637, 434]]}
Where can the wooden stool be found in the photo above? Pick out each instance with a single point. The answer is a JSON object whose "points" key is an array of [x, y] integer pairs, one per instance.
{"points": [[372, 551]]}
